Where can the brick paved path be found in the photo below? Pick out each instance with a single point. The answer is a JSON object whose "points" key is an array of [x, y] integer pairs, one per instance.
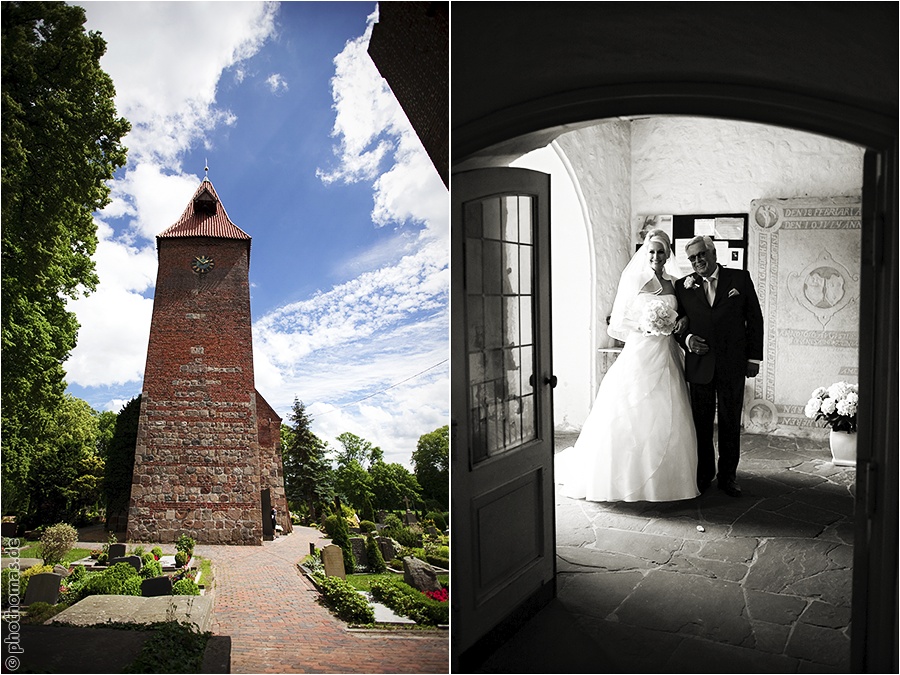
{"points": [[276, 626]]}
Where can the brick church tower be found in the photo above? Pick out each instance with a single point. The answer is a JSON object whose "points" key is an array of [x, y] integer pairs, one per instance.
{"points": [[207, 461]]}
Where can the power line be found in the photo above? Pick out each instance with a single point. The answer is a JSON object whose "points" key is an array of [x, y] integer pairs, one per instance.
{"points": [[396, 384]]}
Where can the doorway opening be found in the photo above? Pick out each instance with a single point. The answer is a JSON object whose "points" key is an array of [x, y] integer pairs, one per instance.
{"points": [[618, 566]]}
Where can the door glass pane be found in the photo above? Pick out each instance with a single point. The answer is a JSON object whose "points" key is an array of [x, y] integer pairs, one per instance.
{"points": [[499, 313]]}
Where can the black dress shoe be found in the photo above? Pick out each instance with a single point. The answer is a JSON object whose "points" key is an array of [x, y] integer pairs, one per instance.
{"points": [[703, 484], [730, 488]]}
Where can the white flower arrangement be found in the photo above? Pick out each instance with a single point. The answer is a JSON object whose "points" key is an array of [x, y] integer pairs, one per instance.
{"points": [[836, 405], [690, 282], [657, 318]]}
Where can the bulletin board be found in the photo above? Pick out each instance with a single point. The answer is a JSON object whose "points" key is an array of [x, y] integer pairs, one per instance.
{"points": [[728, 232]]}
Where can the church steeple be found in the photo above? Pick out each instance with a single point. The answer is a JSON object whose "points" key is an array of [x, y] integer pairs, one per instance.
{"points": [[204, 216]]}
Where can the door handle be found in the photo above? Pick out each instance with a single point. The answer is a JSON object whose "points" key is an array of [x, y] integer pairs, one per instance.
{"points": [[551, 381]]}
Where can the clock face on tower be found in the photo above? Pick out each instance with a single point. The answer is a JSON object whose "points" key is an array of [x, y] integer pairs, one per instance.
{"points": [[202, 264]]}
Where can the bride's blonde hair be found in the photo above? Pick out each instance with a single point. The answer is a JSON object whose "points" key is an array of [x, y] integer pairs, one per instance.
{"points": [[660, 235]]}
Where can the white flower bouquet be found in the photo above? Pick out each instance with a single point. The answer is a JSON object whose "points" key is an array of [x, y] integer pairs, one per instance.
{"points": [[657, 318], [836, 405]]}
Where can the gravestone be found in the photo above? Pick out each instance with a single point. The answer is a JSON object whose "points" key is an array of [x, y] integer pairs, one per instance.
{"points": [[116, 551], [61, 571], [420, 575], [133, 560], [8, 529], [359, 551], [409, 518], [432, 530], [333, 560], [380, 515], [388, 548], [155, 586], [42, 588]]}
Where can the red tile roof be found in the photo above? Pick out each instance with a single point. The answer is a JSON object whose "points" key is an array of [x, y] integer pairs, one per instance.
{"points": [[197, 221]]}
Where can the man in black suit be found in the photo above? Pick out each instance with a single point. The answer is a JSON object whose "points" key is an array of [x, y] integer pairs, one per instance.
{"points": [[723, 344]]}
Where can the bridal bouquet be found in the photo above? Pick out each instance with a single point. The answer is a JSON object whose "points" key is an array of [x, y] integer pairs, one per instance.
{"points": [[657, 318], [836, 405]]}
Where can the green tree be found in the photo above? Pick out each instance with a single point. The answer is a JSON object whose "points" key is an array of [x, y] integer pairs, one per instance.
{"points": [[67, 472], [391, 483], [60, 146], [359, 449], [119, 468], [307, 472], [106, 427], [431, 460], [354, 485]]}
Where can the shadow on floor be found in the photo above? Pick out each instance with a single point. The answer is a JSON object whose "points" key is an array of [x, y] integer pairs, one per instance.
{"points": [[715, 584]]}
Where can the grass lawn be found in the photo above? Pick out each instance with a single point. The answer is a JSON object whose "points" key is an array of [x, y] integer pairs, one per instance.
{"points": [[363, 582], [32, 549]]}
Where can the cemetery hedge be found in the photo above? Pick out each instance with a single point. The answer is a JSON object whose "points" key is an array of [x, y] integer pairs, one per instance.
{"points": [[344, 601], [408, 601]]}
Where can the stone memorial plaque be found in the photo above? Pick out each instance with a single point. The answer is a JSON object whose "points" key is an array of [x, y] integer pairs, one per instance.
{"points": [[42, 588], [333, 560]]}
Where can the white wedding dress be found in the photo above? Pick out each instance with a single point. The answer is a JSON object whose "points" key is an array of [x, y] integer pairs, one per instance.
{"points": [[638, 442]]}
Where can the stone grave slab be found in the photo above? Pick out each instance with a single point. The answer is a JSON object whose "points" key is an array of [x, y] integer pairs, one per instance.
{"points": [[360, 554], [133, 560], [333, 560], [388, 548], [100, 609], [116, 551], [42, 588], [156, 586]]}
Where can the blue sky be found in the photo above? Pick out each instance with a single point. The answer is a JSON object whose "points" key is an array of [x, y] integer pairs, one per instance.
{"points": [[312, 156]]}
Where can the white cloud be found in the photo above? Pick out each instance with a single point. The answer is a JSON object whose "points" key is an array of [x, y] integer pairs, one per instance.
{"points": [[166, 60], [276, 83]]}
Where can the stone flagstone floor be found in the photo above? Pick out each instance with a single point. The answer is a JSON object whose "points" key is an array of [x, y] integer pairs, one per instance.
{"points": [[764, 588]]}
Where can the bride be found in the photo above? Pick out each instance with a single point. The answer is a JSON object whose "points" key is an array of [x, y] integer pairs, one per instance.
{"points": [[638, 442]]}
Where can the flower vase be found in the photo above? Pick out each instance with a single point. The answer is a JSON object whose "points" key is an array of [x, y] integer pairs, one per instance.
{"points": [[843, 447]]}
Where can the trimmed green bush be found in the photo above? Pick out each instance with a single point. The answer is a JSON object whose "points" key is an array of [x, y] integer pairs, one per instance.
{"points": [[56, 541], [373, 553], [330, 525], [181, 559], [185, 587], [345, 602], [186, 544], [366, 526], [151, 569], [38, 612], [157, 551]]}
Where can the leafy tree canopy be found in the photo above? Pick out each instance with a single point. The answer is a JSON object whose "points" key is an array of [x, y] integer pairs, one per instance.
{"points": [[354, 448], [391, 483], [61, 144], [431, 460]]}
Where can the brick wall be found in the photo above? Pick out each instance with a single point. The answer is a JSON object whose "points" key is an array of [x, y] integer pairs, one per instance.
{"points": [[197, 460]]}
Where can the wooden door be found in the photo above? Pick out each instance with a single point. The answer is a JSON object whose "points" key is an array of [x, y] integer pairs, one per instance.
{"points": [[503, 555]]}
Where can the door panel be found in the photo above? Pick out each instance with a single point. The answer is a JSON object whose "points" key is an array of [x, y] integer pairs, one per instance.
{"points": [[502, 444]]}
